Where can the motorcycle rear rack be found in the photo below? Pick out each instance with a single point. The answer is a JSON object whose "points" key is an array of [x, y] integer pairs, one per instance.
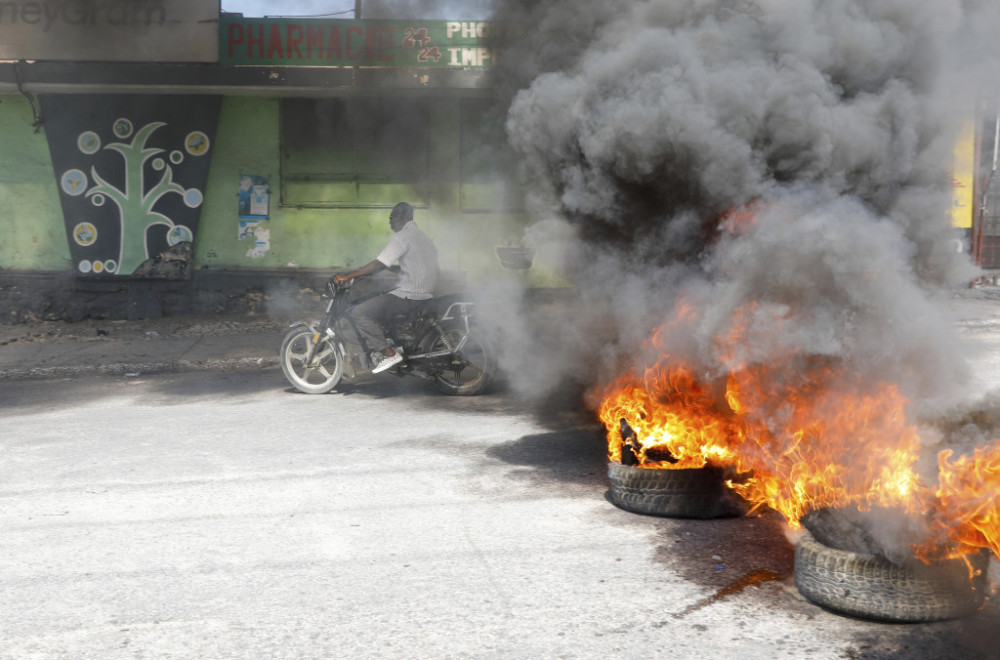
{"points": [[463, 311]]}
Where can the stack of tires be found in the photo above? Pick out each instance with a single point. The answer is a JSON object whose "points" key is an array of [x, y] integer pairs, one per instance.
{"points": [[838, 563]]}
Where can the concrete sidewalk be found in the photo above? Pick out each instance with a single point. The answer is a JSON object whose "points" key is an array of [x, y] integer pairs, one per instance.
{"points": [[38, 349], [57, 349]]}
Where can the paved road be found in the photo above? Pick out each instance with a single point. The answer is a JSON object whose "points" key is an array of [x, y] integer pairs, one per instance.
{"points": [[223, 516]]}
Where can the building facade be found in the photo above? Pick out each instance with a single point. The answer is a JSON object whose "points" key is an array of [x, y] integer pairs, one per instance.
{"points": [[136, 187]]}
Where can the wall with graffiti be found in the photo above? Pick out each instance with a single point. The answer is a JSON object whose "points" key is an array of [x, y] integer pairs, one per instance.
{"points": [[131, 172]]}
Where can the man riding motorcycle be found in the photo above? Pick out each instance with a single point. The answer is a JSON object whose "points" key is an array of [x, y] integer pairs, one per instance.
{"points": [[418, 275]]}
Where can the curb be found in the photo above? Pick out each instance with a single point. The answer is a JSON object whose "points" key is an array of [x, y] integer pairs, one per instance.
{"points": [[133, 369]]}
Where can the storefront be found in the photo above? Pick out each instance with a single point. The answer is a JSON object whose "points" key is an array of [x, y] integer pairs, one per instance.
{"points": [[269, 166]]}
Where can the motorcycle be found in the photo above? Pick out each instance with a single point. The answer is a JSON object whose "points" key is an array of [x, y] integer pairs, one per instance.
{"points": [[438, 339]]}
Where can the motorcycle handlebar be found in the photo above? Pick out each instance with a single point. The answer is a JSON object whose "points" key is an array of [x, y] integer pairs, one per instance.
{"points": [[333, 286]]}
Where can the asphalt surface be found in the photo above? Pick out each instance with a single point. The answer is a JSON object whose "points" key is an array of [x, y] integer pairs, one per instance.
{"points": [[225, 516], [526, 558]]}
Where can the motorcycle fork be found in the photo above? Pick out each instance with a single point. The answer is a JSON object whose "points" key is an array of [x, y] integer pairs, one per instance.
{"points": [[324, 329]]}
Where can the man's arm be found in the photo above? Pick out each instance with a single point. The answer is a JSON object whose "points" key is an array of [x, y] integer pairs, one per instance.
{"points": [[366, 270]]}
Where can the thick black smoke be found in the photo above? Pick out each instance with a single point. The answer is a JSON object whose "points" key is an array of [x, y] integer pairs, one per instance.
{"points": [[642, 124]]}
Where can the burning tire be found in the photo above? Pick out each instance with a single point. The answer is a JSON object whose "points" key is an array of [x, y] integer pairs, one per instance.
{"points": [[695, 493], [871, 587]]}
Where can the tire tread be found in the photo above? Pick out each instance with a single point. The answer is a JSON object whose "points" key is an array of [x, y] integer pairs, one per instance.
{"points": [[693, 493], [871, 587]]}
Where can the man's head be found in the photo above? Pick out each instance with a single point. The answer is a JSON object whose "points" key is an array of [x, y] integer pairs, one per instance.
{"points": [[401, 214]]}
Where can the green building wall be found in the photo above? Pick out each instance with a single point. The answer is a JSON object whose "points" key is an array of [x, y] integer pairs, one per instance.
{"points": [[248, 143], [33, 237]]}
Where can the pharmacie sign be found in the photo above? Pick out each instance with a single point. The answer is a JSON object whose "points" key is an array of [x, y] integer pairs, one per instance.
{"points": [[381, 43]]}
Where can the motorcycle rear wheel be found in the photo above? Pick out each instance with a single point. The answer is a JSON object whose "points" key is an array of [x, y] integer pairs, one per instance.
{"points": [[316, 376], [468, 372]]}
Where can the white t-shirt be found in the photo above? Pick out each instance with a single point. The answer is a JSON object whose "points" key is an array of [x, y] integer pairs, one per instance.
{"points": [[418, 262]]}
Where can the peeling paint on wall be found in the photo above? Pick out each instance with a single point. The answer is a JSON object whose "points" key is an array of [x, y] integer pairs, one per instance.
{"points": [[262, 243], [247, 229]]}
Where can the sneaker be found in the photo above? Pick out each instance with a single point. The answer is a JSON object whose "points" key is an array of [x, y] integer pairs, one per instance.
{"points": [[388, 362]]}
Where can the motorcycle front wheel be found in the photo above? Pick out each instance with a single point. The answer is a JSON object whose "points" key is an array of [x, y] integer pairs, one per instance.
{"points": [[316, 375], [470, 371]]}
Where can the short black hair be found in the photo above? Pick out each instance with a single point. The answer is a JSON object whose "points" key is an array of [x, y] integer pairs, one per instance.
{"points": [[403, 211]]}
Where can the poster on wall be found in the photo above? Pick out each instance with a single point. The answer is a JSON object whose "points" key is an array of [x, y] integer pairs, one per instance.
{"points": [[963, 183], [254, 197], [131, 172]]}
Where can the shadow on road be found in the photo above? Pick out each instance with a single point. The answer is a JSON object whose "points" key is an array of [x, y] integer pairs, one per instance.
{"points": [[27, 396], [572, 457], [976, 637], [236, 386]]}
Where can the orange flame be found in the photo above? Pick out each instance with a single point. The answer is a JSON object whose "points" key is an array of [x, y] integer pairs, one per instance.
{"points": [[819, 443], [671, 412], [964, 512], [806, 436]]}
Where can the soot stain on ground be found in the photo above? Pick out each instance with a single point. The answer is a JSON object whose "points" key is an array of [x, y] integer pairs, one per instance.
{"points": [[719, 553], [752, 579]]}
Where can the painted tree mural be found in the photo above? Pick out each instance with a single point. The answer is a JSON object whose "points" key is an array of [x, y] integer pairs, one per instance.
{"points": [[132, 171], [136, 201]]}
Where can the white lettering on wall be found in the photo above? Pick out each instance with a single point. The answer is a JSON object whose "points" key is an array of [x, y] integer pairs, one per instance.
{"points": [[466, 29], [49, 13]]}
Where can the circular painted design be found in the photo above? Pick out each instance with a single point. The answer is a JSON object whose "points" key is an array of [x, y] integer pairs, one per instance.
{"points": [[98, 266], [179, 234], [85, 233], [196, 143], [111, 266], [88, 142], [193, 197], [84, 266], [158, 164], [176, 157], [73, 182], [122, 127], [97, 200]]}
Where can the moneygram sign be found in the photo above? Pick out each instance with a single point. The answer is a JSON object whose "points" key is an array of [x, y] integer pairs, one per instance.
{"points": [[379, 43], [109, 30]]}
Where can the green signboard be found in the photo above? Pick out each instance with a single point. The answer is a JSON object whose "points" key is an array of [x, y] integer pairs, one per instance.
{"points": [[381, 43]]}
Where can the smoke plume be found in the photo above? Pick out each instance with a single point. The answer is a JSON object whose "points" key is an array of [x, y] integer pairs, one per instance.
{"points": [[795, 155]]}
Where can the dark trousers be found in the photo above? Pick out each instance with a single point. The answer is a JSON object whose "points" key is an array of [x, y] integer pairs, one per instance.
{"points": [[370, 315]]}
